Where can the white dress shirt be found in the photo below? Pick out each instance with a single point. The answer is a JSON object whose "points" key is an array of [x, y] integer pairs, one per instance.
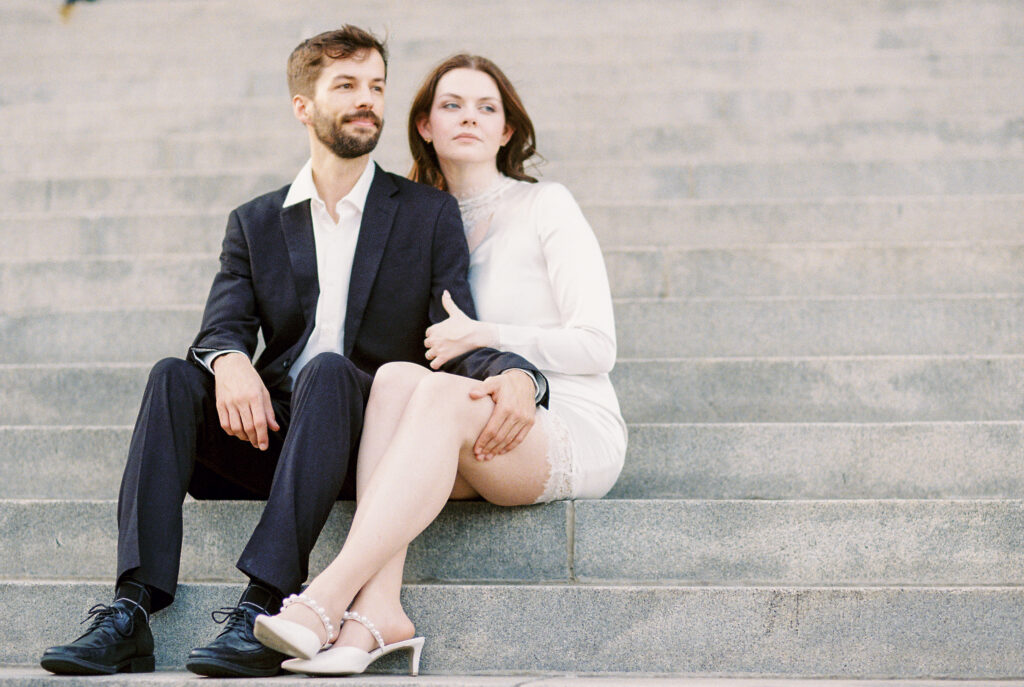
{"points": [[335, 250]]}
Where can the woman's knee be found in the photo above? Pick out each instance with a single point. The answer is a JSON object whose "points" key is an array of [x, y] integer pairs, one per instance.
{"points": [[395, 382]]}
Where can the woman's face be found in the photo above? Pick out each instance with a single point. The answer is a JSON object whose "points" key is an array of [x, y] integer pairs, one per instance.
{"points": [[467, 121]]}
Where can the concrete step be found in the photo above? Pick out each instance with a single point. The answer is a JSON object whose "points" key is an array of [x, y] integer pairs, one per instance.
{"points": [[589, 182], [840, 326], [916, 460], [854, 389], [646, 329], [789, 270], [830, 389], [677, 222], [684, 542], [33, 676], [702, 27], [806, 69], [690, 630], [46, 540], [283, 147], [815, 108]]}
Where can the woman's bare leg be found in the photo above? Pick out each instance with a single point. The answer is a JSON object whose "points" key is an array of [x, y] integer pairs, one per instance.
{"points": [[412, 481], [380, 597]]}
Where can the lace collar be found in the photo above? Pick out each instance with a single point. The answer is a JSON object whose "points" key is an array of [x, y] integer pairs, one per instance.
{"points": [[478, 206]]}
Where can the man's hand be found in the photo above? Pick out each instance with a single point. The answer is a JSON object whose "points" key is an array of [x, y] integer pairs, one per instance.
{"points": [[458, 334], [243, 402], [515, 409]]}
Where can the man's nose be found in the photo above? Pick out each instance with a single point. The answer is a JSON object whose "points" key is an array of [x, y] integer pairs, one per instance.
{"points": [[364, 97]]}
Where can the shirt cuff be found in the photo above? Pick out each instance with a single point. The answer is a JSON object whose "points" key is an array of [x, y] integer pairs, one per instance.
{"points": [[539, 383], [207, 358]]}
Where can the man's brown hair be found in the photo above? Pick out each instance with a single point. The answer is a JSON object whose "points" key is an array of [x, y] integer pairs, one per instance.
{"points": [[307, 60]]}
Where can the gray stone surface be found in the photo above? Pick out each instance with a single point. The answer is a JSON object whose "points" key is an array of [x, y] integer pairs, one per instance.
{"points": [[689, 542], [809, 270], [677, 223], [590, 182], [739, 631], [806, 183], [99, 336], [646, 329], [282, 146], [854, 389], [857, 325], [802, 542], [933, 460], [917, 460], [37, 677], [468, 541], [793, 270]]}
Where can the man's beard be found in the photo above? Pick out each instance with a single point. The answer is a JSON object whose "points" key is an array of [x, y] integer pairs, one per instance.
{"points": [[343, 144]]}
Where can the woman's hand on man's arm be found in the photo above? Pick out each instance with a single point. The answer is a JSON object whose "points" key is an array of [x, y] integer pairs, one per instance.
{"points": [[456, 335]]}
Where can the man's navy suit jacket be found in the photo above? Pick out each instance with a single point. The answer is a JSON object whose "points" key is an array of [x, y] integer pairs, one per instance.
{"points": [[411, 248]]}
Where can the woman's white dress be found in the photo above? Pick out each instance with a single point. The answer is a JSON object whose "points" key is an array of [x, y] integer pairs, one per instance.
{"points": [[538, 274]]}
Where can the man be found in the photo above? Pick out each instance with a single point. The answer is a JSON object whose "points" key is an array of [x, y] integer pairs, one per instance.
{"points": [[343, 271]]}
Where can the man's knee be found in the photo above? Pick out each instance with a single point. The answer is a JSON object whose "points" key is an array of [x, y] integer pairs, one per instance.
{"points": [[177, 376], [326, 363], [330, 373], [173, 368]]}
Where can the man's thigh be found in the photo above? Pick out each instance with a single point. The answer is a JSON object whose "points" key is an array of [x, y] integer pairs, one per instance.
{"points": [[229, 468]]}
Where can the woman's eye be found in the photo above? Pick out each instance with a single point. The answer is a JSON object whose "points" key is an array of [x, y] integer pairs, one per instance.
{"points": [[489, 108], [450, 106]]}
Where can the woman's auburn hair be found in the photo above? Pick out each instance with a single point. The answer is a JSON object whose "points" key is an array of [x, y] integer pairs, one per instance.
{"points": [[511, 156]]}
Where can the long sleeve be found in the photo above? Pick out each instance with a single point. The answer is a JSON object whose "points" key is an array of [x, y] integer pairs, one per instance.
{"points": [[450, 263], [584, 343], [229, 320]]}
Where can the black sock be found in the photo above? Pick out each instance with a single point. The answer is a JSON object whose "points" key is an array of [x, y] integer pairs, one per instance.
{"points": [[261, 594], [134, 591]]}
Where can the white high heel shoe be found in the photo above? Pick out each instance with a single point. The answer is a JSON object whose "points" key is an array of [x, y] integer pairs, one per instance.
{"points": [[290, 637], [350, 660]]}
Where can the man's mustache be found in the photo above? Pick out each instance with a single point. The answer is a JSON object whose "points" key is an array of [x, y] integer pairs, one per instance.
{"points": [[362, 114]]}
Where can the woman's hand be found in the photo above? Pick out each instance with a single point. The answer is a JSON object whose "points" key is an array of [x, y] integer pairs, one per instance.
{"points": [[458, 334]]}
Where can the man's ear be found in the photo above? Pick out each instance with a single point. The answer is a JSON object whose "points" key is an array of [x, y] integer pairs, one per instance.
{"points": [[302, 108]]}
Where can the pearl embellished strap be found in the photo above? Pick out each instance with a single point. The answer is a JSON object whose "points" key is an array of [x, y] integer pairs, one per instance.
{"points": [[316, 608], [350, 615]]}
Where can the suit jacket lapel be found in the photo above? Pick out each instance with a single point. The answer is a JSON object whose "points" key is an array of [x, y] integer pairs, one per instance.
{"points": [[297, 227], [378, 216]]}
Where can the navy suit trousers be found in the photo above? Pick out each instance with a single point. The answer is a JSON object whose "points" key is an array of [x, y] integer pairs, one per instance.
{"points": [[178, 447]]}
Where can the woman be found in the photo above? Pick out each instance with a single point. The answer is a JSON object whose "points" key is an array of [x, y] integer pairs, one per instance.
{"points": [[541, 291]]}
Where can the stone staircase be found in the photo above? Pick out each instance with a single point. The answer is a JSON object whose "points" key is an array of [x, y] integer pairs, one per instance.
{"points": [[813, 217]]}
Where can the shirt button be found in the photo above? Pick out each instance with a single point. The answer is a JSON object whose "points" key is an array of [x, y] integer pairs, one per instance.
{"points": [[287, 362]]}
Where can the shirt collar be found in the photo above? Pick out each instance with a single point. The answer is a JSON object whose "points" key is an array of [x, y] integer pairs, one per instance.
{"points": [[303, 188]]}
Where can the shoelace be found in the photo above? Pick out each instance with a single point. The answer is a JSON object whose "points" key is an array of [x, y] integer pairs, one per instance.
{"points": [[101, 612], [234, 616]]}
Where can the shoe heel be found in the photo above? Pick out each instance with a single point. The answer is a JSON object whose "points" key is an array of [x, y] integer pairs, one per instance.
{"points": [[142, 664], [414, 656]]}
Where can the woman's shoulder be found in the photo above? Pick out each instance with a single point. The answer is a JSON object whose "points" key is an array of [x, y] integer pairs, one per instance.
{"points": [[544, 191]]}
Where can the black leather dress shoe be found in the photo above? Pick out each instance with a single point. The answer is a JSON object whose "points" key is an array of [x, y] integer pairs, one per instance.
{"points": [[117, 641], [236, 652]]}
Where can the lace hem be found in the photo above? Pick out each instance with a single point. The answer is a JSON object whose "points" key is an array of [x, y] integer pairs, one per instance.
{"points": [[561, 480]]}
